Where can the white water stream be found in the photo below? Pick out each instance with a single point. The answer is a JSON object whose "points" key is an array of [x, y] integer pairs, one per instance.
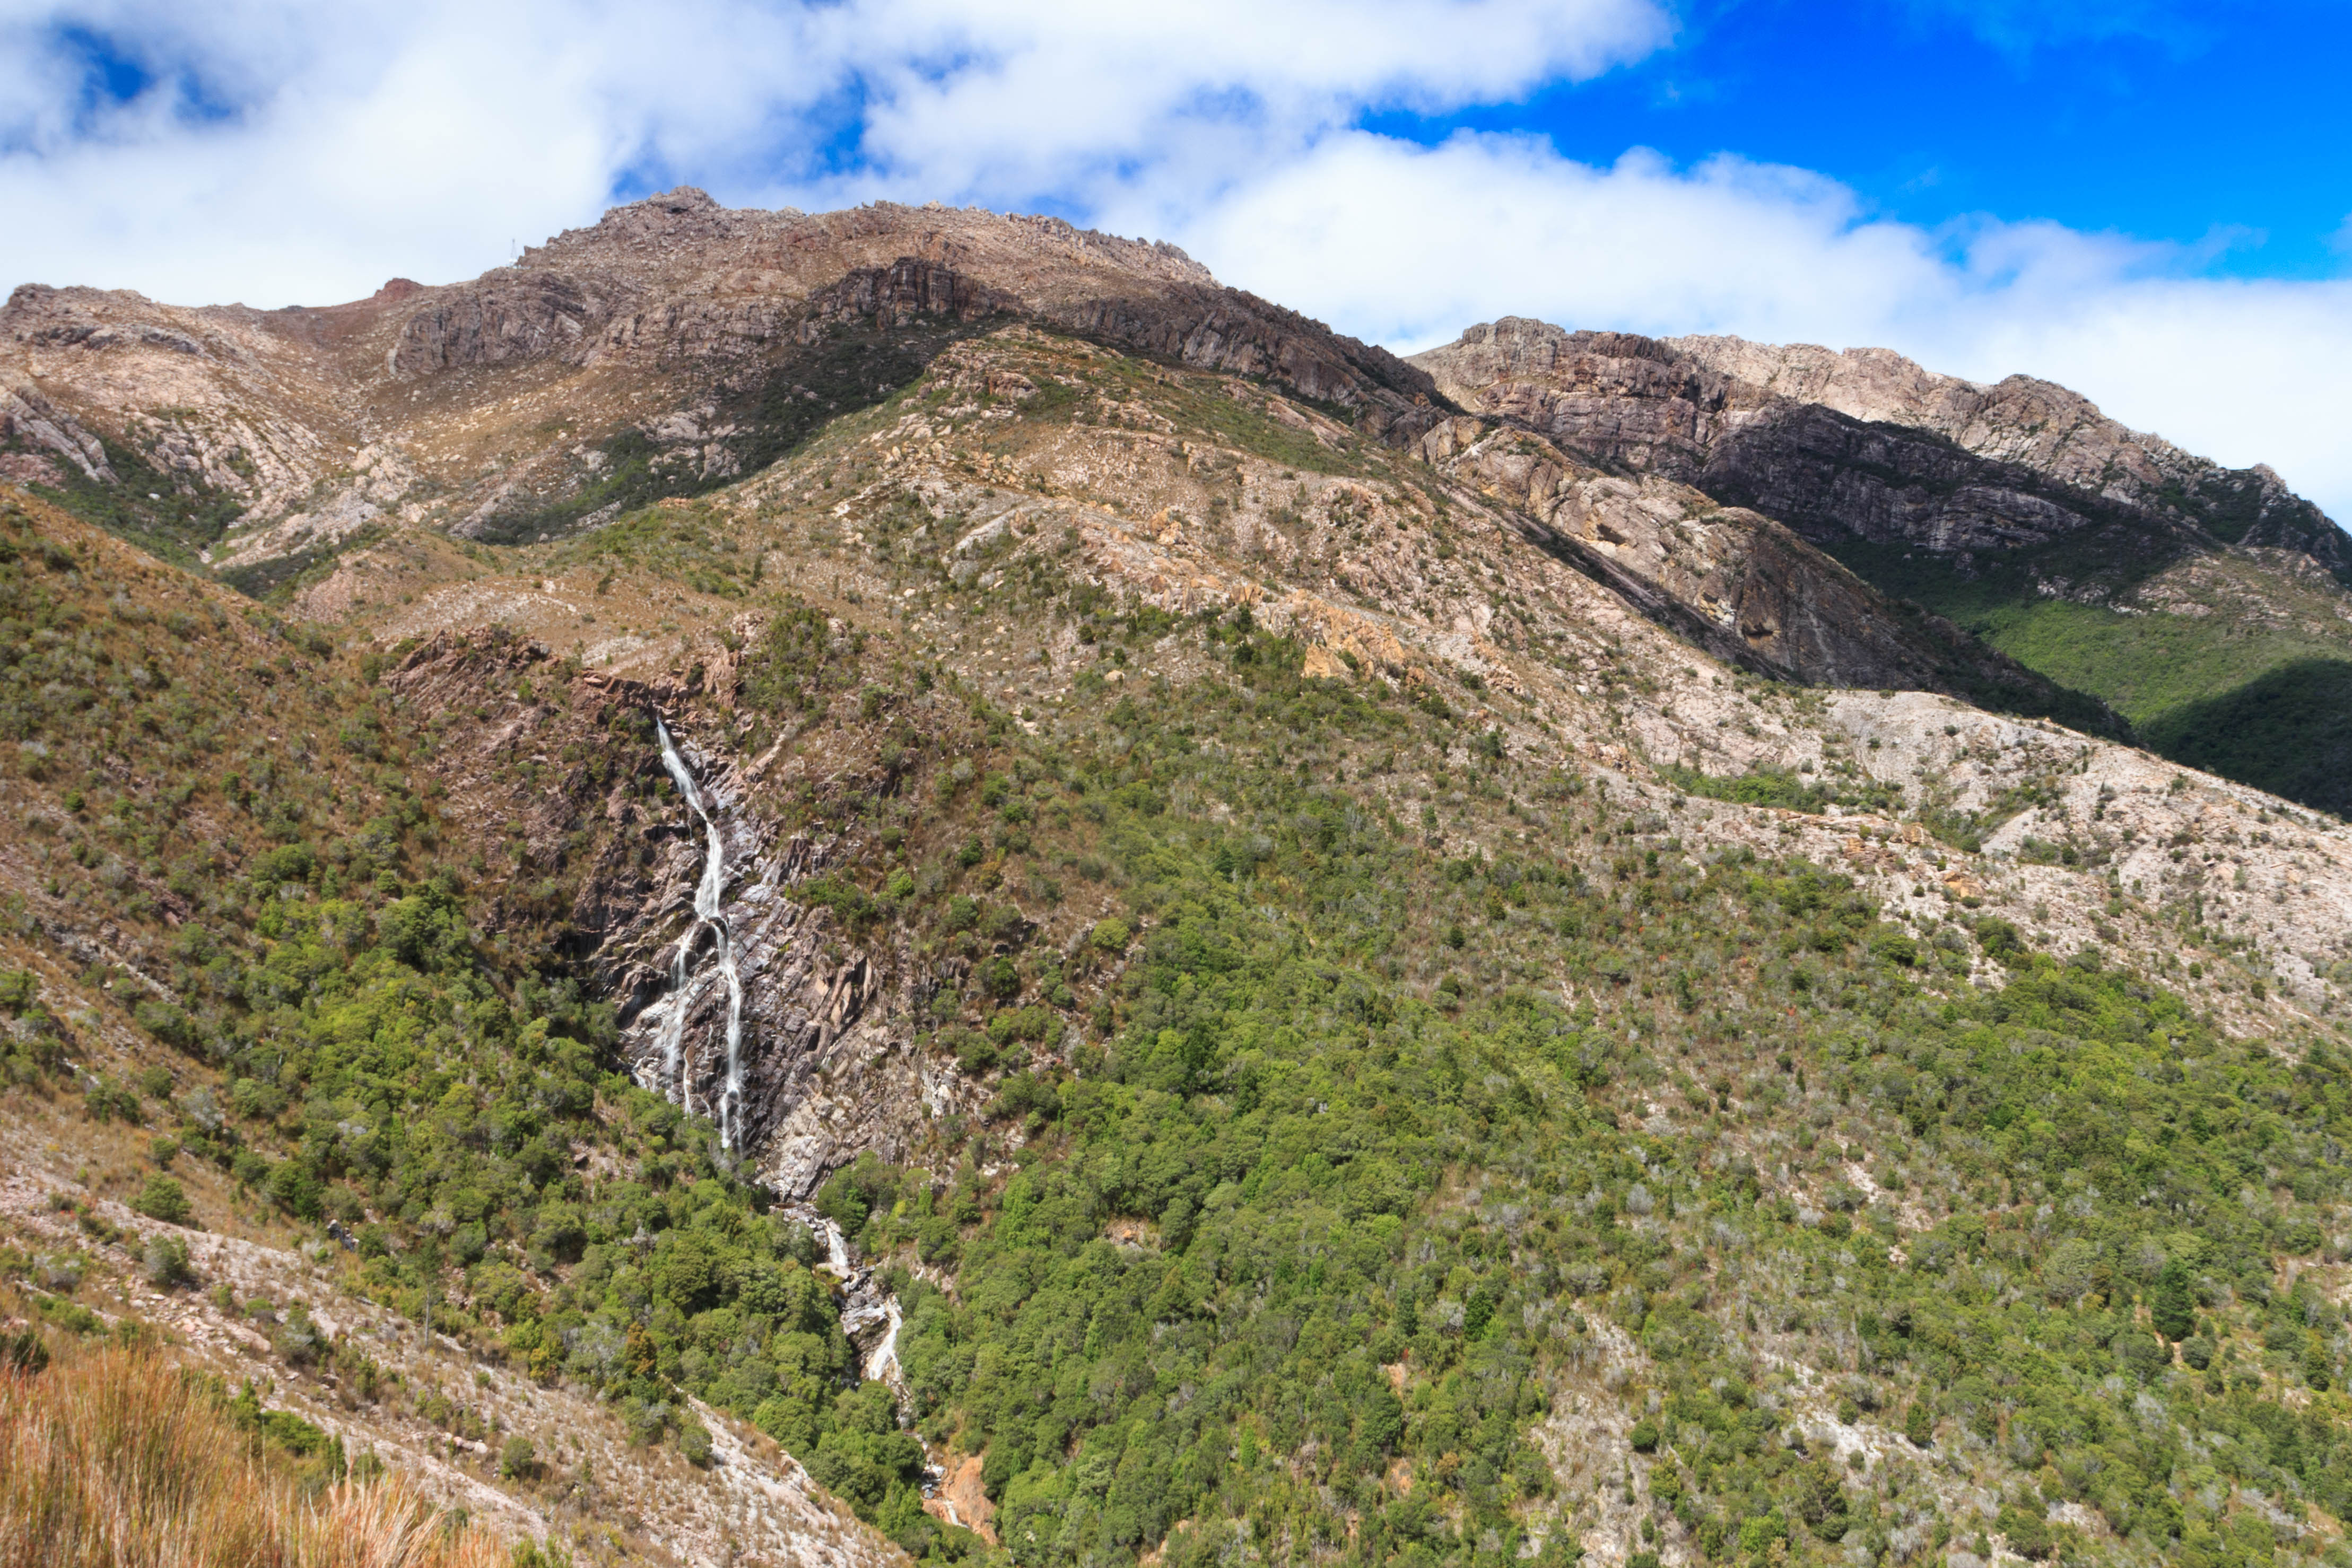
{"points": [[685, 988], [881, 1364]]}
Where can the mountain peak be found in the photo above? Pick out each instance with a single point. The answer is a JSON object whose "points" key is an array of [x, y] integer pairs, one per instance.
{"points": [[2009, 508]]}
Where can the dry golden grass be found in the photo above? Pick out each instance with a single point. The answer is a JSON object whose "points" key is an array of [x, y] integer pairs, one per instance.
{"points": [[115, 1458]]}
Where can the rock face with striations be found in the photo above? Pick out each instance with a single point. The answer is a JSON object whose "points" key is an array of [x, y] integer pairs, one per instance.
{"points": [[1734, 582], [1866, 445]]}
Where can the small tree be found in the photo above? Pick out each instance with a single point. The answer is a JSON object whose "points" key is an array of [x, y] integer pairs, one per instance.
{"points": [[167, 1262], [2027, 1528], [2173, 1306], [693, 1440]]}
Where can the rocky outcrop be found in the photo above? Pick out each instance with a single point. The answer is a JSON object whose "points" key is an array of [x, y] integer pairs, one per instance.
{"points": [[511, 318], [1734, 582], [827, 1061], [828, 1067], [2044, 428], [1866, 445], [30, 420]]}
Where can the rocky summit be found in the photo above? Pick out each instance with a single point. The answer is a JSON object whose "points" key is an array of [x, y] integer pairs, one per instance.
{"points": [[911, 884]]}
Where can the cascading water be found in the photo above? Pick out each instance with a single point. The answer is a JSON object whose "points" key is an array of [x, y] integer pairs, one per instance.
{"points": [[865, 1306], [684, 986]]}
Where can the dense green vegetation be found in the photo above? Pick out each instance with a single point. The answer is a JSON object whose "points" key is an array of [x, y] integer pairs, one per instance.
{"points": [[163, 513], [1762, 786], [679, 542], [1426, 1156], [2287, 730], [1331, 1198]]}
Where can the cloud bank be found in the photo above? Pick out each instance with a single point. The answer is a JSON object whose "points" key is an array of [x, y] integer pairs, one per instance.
{"points": [[275, 151]]}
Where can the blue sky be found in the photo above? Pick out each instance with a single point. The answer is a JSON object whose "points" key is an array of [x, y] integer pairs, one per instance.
{"points": [[2227, 129], [2145, 199]]}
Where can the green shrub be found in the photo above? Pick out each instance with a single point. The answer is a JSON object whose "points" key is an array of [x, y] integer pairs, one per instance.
{"points": [[166, 1023], [1918, 1425], [2028, 1529], [164, 1199], [165, 1260]]}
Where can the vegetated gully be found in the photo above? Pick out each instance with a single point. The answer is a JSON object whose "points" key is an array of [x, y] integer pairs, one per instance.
{"points": [[686, 983]]}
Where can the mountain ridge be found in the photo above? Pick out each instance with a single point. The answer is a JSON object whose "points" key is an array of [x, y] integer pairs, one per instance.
{"points": [[305, 419], [2023, 421], [2016, 511]]}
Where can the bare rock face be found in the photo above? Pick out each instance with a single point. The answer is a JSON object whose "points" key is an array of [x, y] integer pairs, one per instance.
{"points": [[1865, 444], [825, 1063], [1732, 581], [32, 420], [2039, 425]]}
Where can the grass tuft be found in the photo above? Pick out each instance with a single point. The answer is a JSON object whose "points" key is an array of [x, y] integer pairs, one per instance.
{"points": [[114, 1456]]}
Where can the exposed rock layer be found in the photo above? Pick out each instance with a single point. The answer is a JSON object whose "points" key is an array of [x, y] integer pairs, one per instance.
{"points": [[1866, 444]]}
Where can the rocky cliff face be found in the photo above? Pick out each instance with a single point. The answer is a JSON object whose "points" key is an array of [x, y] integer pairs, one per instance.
{"points": [[823, 1066], [2047, 429], [1866, 445], [1732, 581]]}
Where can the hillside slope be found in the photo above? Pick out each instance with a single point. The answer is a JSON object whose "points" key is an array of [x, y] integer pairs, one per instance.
{"points": [[279, 1093], [1099, 965], [2205, 605]]}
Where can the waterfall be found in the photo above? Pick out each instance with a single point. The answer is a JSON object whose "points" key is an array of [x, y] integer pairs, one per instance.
{"points": [[882, 1365], [684, 986], [836, 1248], [864, 1306]]}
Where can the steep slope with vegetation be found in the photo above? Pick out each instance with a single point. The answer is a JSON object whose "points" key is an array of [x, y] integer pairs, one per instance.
{"points": [[2240, 666], [1285, 1019], [2209, 607], [247, 992]]}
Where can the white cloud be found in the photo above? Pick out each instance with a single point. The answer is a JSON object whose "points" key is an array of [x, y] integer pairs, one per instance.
{"points": [[1406, 244], [290, 151]]}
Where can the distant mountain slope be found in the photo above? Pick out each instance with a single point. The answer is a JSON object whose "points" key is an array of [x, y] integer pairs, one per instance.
{"points": [[671, 347], [678, 345], [2205, 603], [1737, 584]]}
